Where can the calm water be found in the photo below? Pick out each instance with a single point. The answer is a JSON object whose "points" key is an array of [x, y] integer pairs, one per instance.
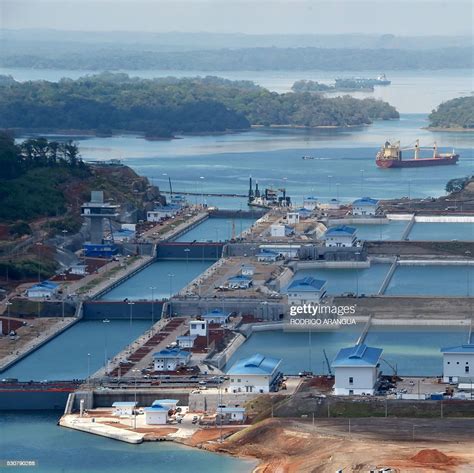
{"points": [[158, 275], [414, 351], [432, 281], [340, 280], [344, 166], [410, 91], [390, 231], [217, 229], [66, 356], [442, 231], [35, 436]]}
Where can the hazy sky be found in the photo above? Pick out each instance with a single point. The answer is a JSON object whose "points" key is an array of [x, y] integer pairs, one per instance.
{"points": [[402, 17]]}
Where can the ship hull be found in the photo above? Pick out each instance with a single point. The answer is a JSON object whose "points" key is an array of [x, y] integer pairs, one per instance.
{"points": [[416, 163]]}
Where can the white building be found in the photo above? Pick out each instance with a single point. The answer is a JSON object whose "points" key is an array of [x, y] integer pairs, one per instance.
{"points": [[356, 370], [257, 374], [198, 328], [156, 415], [79, 269], [239, 282], [458, 362], [186, 341], [365, 207], [231, 414], [306, 290], [341, 237], [247, 270], [43, 289], [124, 408], [216, 316], [333, 204], [280, 230], [267, 256], [160, 213], [170, 359], [292, 218], [310, 203]]}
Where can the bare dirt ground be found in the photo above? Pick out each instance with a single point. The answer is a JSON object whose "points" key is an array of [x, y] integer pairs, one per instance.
{"points": [[287, 446]]}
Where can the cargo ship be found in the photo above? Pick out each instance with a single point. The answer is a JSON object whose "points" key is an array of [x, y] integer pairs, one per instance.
{"points": [[390, 156]]}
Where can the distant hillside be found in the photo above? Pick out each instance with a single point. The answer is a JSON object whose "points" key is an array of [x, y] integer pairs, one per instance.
{"points": [[164, 107], [454, 114], [241, 59]]}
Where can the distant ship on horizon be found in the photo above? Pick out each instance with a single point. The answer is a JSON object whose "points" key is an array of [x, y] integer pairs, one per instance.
{"points": [[390, 156]]}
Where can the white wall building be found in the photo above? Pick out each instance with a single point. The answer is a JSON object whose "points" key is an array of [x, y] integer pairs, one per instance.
{"points": [[341, 237], [198, 328], [186, 341], [356, 370], [256, 374], [216, 316], [231, 414], [43, 289], [365, 207], [156, 415], [310, 203], [124, 408], [458, 362], [280, 230], [170, 359], [306, 290], [292, 218]]}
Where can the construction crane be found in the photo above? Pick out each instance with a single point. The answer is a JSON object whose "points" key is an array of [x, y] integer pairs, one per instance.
{"points": [[327, 363]]}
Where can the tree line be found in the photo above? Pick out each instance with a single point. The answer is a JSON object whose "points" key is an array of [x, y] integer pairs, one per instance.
{"points": [[163, 107], [455, 113]]}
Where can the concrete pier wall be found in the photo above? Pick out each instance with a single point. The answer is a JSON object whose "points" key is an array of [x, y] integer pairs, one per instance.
{"points": [[197, 251], [119, 310]]}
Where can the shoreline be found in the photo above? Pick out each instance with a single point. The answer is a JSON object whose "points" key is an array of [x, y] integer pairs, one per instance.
{"points": [[453, 129]]}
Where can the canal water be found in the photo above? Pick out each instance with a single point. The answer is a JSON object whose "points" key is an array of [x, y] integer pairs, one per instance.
{"points": [[442, 231], [217, 229], [167, 277], [415, 351], [432, 281], [35, 436], [66, 356], [342, 280], [388, 231]]}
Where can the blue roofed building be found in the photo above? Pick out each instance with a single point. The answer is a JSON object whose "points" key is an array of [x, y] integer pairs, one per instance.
{"points": [[124, 408], [267, 256], [46, 289], [239, 282], [310, 202], [307, 290], [356, 370], [156, 414], [170, 359], [458, 362], [341, 236], [256, 374], [216, 316], [365, 207]]}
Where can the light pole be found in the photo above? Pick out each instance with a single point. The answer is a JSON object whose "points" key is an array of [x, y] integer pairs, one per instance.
{"points": [[330, 186], [187, 250], [357, 273], [106, 358], [135, 399], [131, 304], [468, 282], [362, 182], [152, 288], [171, 276], [88, 368], [202, 190], [8, 314]]}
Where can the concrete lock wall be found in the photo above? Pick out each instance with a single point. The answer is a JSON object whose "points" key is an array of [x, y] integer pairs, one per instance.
{"points": [[119, 310], [197, 251], [144, 398]]}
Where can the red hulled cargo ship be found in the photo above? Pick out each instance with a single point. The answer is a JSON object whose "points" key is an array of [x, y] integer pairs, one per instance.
{"points": [[390, 156]]}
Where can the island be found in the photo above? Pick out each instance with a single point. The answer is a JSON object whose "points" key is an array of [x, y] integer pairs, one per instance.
{"points": [[161, 108], [453, 115]]}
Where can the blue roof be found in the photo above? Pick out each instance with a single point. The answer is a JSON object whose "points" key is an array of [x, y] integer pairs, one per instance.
{"points": [[341, 230], [466, 348], [365, 201], [308, 283], [45, 285], [156, 408], [124, 404], [358, 355], [216, 313], [164, 401], [304, 211], [256, 364], [267, 253], [171, 353], [310, 197], [240, 277]]}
